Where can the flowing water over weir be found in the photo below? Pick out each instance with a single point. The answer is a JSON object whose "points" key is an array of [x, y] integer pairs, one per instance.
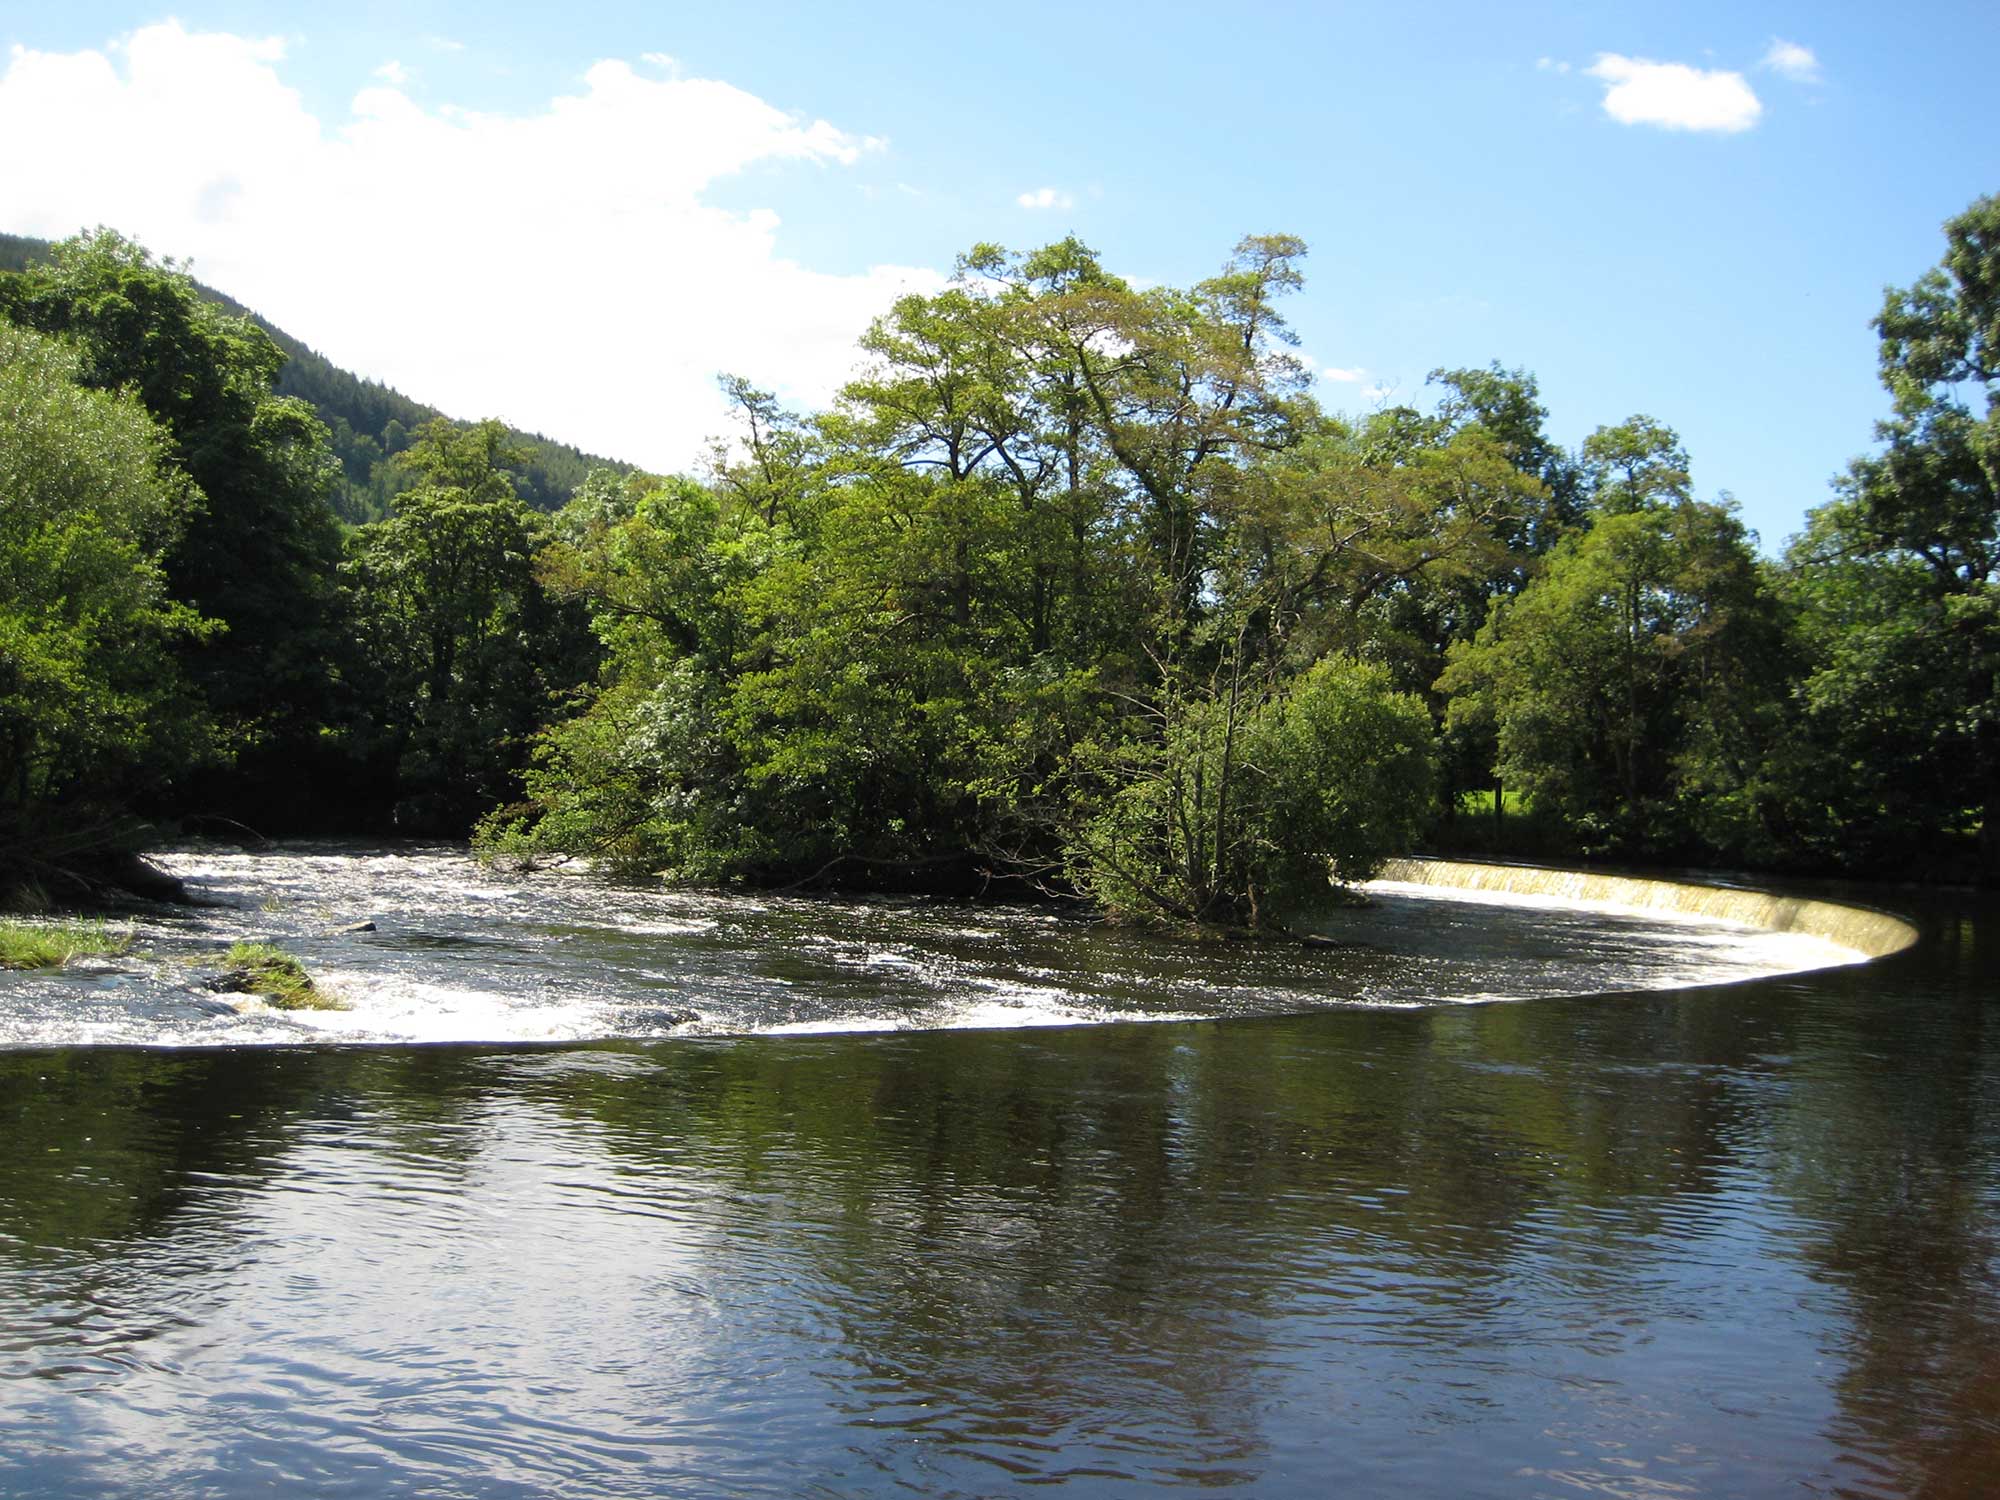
{"points": [[458, 954], [1873, 933], [719, 1199]]}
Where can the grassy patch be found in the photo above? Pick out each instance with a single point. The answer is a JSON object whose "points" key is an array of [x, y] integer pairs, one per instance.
{"points": [[1521, 830], [1479, 804], [50, 945], [275, 975]]}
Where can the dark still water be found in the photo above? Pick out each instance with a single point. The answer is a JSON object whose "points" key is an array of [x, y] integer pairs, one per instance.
{"points": [[1730, 1240]]}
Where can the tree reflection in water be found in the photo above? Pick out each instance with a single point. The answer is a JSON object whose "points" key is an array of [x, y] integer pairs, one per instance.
{"points": [[1737, 1240]]}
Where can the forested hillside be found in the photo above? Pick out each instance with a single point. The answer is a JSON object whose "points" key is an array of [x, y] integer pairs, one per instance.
{"points": [[370, 423]]}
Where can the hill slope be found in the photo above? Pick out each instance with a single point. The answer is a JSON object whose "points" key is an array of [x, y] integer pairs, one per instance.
{"points": [[370, 422]]}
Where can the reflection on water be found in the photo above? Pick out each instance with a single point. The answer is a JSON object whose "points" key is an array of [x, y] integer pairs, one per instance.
{"points": [[1738, 1240]]}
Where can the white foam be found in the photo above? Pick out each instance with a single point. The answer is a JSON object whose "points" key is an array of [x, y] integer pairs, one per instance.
{"points": [[832, 1025], [690, 928], [392, 1010]]}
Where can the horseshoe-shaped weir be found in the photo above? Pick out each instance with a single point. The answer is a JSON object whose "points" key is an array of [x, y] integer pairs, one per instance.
{"points": [[448, 952]]}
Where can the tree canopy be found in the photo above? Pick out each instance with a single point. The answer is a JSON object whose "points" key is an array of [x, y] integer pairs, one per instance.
{"points": [[1897, 582], [91, 704], [1074, 587]]}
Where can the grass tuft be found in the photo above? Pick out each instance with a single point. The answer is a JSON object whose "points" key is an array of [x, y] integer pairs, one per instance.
{"points": [[50, 945], [276, 976]]}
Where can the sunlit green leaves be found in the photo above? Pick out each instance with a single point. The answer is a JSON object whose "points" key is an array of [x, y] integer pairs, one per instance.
{"points": [[88, 691]]}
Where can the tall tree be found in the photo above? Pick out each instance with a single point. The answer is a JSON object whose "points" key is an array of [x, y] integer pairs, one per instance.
{"points": [[92, 709], [467, 650], [1507, 406], [261, 547], [1058, 531], [1899, 578], [1631, 687]]}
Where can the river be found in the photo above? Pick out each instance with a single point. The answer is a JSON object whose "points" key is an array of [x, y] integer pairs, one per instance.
{"points": [[602, 1191]]}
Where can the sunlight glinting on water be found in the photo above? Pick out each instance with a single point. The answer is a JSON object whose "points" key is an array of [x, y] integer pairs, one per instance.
{"points": [[459, 954]]}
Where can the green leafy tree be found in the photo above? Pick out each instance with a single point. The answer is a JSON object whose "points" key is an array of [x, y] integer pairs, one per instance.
{"points": [[261, 546], [1390, 545], [467, 650], [1251, 801], [1634, 687], [1898, 582], [992, 596], [1506, 405], [1637, 465], [92, 709]]}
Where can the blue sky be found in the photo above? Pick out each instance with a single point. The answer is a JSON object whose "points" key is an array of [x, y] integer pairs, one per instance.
{"points": [[575, 216]]}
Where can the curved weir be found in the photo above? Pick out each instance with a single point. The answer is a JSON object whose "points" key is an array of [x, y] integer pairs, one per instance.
{"points": [[420, 944], [1874, 933]]}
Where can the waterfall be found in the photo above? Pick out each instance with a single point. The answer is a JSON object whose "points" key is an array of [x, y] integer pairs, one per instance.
{"points": [[1875, 933]]}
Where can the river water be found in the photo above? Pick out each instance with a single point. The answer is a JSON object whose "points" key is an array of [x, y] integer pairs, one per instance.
{"points": [[725, 1197]]}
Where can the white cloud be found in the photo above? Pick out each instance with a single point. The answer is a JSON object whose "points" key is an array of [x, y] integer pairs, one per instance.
{"points": [[393, 72], [1550, 65], [1329, 372], [1674, 96], [560, 269], [1792, 61], [1045, 197]]}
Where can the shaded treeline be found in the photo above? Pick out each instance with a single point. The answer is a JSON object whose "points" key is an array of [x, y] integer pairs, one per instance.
{"points": [[1074, 585]]}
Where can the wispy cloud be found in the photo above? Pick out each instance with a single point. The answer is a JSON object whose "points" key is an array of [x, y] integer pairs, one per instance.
{"points": [[1792, 61], [1045, 198], [1332, 372], [393, 72], [1674, 96], [1551, 65], [654, 289]]}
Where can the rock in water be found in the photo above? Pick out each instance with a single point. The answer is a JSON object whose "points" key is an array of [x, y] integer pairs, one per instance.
{"points": [[141, 877]]}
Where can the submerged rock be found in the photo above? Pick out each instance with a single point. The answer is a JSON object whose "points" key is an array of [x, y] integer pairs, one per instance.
{"points": [[93, 967], [639, 1018]]}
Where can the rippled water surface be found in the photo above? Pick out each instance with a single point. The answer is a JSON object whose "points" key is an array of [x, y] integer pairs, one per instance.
{"points": [[832, 1206]]}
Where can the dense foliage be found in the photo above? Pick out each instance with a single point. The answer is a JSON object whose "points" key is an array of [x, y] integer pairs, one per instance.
{"points": [[1897, 586], [1037, 599], [89, 703], [1075, 587]]}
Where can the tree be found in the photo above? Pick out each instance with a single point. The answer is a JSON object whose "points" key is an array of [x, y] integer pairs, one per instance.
{"points": [[1632, 686], [1898, 579], [92, 709], [1637, 465], [260, 548], [1506, 405], [1055, 533], [1252, 800], [467, 650]]}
